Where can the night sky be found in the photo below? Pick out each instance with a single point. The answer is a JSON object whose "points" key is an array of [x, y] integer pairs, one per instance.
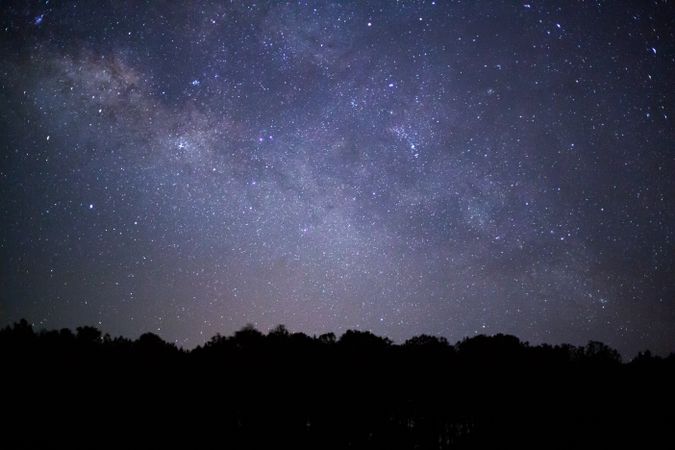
{"points": [[449, 168]]}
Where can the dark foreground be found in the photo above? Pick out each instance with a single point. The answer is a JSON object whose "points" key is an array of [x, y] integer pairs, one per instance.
{"points": [[282, 390]]}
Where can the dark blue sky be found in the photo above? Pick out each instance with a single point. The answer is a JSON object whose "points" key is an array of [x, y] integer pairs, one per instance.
{"points": [[443, 167]]}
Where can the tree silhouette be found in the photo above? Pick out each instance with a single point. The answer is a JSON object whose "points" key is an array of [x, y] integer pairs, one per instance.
{"points": [[284, 389], [363, 340], [327, 338], [600, 353], [426, 341], [89, 335]]}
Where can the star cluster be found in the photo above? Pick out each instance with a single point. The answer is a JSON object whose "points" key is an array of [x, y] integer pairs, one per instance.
{"points": [[405, 167]]}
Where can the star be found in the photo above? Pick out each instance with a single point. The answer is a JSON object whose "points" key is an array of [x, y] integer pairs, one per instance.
{"points": [[424, 167]]}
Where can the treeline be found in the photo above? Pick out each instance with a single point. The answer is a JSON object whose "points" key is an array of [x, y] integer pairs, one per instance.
{"points": [[291, 390]]}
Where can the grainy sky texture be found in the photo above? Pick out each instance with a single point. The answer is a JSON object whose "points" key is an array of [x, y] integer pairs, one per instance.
{"points": [[407, 167]]}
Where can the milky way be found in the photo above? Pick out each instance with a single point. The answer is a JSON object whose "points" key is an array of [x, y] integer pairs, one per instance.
{"points": [[448, 168]]}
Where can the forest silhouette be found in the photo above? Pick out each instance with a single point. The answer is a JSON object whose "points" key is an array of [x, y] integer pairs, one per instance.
{"points": [[252, 390]]}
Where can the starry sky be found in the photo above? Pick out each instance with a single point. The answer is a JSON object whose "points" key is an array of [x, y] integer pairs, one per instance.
{"points": [[450, 168]]}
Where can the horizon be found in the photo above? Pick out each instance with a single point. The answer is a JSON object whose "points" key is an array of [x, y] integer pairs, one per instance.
{"points": [[270, 331]]}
